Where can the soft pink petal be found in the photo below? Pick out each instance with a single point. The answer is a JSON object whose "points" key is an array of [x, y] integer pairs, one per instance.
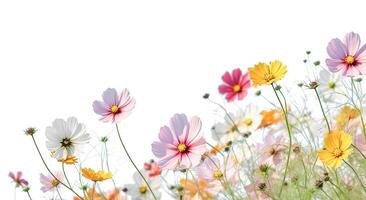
{"points": [[236, 75], [158, 149], [225, 89], [100, 108], [352, 42], [177, 124], [351, 71], [336, 49], [165, 135], [194, 131], [110, 97]]}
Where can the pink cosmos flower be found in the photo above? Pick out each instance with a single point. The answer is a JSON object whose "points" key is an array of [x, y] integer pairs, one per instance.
{"points": [[152, 169], [18, 180], [49, 182], [235, 85], [181, 145], [114, 107], [271, 149], [256, 190], [347, 56]]}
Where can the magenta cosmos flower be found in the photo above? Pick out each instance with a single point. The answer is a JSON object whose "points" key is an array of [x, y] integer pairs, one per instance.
{"points": [[235, 85], [18, 179], [181, 145], [114, 106], [347, 56]]}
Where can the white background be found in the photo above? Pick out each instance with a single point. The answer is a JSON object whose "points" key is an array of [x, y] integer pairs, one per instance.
{"points": [[57, 57]]}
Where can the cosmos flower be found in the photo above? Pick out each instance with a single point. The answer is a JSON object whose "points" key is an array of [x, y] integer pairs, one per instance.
{"points": [[271, 117], [69, 160], [111, 195], [49, 183], [181, 145], [235, 85], [96, 176], [65, 138], [199, 190], [266, 74], [346, 115], [346, 56], [336, 148], [18, 179], [152, 169], [230, 129], [114, 107], [257, 189], [212, 169], [139, 190], [271, 150]]}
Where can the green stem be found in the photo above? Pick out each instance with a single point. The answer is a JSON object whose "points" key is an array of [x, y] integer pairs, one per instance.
{"points": [[63, 170], [359, 151], [30, 198], [49, 171], [92, 194], [360, 109], [358, 177], [129, 157], [321, 106], [107, 163], [290, 140]]}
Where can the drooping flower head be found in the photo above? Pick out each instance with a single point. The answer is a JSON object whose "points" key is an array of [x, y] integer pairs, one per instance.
{"points": [[114, 106], [18, 179], [96, 175], [266, 74], [346, 56], [181, 145], [235, 85], [65, 138], [336, 148], [49, 183]]}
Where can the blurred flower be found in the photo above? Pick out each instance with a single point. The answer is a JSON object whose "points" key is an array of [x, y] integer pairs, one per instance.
{"points": [[17, 179], [271, 149], [347, 56], [30, 131], [182, 145], [96, 175], [114, 107], [336, 148], [211, 169], [69, 160], [264, 74], [229, 130], [49, 183], [214, 150], [257, 189], [112, 195], [360, 143], [235, 85], [200, 190], [271, 117], [65, 138], [345, 116], [152, 169], [140, 191]]}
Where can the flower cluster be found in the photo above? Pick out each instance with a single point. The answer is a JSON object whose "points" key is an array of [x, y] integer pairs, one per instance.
{"points": [[302, 141]]}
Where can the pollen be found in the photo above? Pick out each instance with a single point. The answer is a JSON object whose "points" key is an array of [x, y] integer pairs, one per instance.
{"points": [[237, 88], [248, 121], [142, 189], [268, 77], [337, 153], [350, 60], [182, 148], [217, 174], [114, 109]]}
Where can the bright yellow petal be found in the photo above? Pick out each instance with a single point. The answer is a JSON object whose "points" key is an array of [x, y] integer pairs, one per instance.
{"points": [[332, 140], [346, 141]]}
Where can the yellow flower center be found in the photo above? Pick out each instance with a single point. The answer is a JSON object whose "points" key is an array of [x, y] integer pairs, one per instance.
{"points": [[142, 189], [331, 85], [248, 121], [268, 77], [272, 151], [236, 88], [217, 174], [337, 153], [182, 148], [349, 60], [55, 183], [114, 109]]}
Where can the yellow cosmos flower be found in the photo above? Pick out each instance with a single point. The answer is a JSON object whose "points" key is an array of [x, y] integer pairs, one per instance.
{"points": [[191, 191], [69, 160], [345, 116], [266, 74], [96, 175], [271, 117], [336, 148]]}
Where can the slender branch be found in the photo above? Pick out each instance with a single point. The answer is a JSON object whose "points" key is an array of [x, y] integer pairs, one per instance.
{"points": [[358, 177], [321, 106], [129, 157]]}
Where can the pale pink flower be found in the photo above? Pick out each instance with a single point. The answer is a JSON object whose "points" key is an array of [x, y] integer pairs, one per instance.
{"points": [[255, 190], [152, 169], [347, 56], [181, 145], [49, 183], [114, 107], [18, 179], [235, 85], [271, 149], [211, 169]]}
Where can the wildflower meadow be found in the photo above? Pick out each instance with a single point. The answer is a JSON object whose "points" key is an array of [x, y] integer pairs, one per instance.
{"points": [[305, 141]]}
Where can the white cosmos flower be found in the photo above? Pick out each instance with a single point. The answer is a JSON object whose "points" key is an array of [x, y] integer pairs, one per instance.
{"points": [[329, 85], [140, 191], [64, 138]]}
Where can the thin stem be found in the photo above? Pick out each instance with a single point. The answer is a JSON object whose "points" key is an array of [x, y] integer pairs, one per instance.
{"points": [[107, 163], [48, 169], [63, 170], [93, 191], [129, 157], [290, 140], [58, 193], [321, 106], [358, 177], [360, 109], [30, 198], [359, 151], [326, 194]]}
